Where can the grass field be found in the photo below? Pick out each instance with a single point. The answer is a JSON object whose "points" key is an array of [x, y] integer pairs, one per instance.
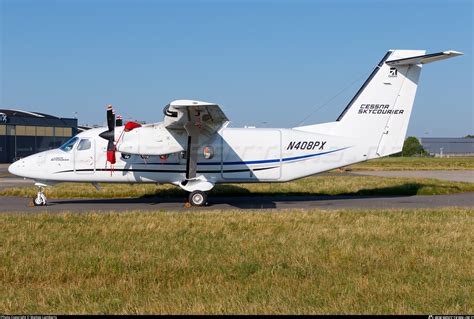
{"points": [[315, 185], [415, 163], [313, 262]]}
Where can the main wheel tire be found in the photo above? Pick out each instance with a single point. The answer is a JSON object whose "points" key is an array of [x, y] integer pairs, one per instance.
{"points": [[38, 201], [198, 198]]}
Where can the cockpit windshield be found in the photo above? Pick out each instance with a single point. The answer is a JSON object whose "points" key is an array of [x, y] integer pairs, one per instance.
{"points": [[66, 147]]}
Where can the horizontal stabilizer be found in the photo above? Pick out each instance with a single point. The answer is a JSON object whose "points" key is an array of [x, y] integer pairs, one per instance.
{"points": [[427, 58]]}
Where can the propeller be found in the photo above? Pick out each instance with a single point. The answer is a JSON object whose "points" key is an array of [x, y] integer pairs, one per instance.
{"points": [[119, 121], [109, 135]]}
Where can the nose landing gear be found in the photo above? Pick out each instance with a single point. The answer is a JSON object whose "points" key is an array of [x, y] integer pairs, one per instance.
{"points": [[40, 199]]}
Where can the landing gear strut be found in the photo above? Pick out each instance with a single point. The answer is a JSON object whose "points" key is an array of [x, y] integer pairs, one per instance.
{"points": [[197, 198], [40, 199]]}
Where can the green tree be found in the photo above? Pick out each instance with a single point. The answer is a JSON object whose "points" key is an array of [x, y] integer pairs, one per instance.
{"points": [[412, 147]]}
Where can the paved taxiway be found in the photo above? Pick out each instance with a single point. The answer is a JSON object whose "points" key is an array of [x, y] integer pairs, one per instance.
{"points": [[16, 204]]}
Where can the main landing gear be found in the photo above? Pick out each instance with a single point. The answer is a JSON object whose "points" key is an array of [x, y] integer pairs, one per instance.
{"points": [[197, 198], [196, 189], [40, 199]]}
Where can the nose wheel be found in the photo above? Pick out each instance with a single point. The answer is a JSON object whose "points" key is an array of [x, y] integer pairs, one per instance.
{"points": [[197, 198], [40, 199]]}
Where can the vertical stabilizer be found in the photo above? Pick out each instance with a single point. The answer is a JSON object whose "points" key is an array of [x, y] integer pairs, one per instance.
{"points": [[377, 116], [379, 113]]}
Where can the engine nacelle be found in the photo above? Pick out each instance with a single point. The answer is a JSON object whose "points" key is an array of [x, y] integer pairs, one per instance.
{"points": [[150, 140]]}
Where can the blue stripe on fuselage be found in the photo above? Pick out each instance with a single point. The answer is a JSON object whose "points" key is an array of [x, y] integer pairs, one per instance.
{"points": [[277, 160]]}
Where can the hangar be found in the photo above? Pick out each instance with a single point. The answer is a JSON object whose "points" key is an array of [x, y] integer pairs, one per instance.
{"points": [[446, 146], [24, 133]]}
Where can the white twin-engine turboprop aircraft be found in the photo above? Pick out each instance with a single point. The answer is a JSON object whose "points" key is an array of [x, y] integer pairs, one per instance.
{"points": [[194, 149]]}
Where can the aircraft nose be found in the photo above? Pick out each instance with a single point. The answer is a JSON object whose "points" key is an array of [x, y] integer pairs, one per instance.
{"points": [[18, 168], [29, 167], [14, 168]]}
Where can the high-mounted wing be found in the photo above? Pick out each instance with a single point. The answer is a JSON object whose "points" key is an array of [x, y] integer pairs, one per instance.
{"points": [[200, 120], [208, 116]]}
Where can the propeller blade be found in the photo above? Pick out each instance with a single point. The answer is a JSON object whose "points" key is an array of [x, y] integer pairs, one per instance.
{"points": [[110, 118], [111, 146], [111, 157], [119, 121]]}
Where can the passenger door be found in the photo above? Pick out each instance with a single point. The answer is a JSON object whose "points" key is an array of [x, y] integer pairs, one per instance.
{"points": [[84, 157]]}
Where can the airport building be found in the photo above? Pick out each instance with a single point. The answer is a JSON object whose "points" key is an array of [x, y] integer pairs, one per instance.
{"points": [[24, 133], [444, 147]]}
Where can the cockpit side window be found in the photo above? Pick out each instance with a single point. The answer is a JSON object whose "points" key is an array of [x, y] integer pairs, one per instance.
{"points": [[66, 147], [84, 144]]}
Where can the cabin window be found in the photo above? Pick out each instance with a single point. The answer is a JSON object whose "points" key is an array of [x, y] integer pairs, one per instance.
{"points": [[84, 144]]}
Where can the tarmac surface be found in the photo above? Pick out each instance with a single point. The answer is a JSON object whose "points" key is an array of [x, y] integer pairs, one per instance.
{"points": [[18, 204]]}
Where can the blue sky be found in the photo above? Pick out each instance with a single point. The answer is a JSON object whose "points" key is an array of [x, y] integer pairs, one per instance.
{"points": [[267, 63]]}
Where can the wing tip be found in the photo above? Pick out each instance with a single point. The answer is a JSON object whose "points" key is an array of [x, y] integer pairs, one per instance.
{"points": [[453, 52]]}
